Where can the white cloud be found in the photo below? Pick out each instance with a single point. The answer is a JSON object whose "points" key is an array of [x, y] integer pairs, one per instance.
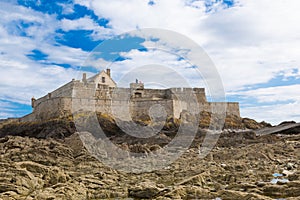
{"points": [[273, 114], [274, 104], [64, 54], [85, 23], [274, 94], [256, 39], [10, 109], [97, 63], [21, 77], [127, 16], [250, 43], [254, 42], [20, 84], [67, 8], [159, 60]]}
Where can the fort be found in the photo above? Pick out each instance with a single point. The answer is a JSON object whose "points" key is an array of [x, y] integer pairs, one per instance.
{"points": [[100, 93]]}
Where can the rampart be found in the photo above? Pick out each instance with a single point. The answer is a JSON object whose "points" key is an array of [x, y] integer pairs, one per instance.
{"points": [[124, 103]]}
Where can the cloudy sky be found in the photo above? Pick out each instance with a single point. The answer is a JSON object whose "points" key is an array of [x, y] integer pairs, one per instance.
{"points": [[254, 45]]}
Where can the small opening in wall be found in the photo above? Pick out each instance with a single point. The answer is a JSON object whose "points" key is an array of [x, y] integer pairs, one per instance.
{"points": [[138, 94], [103, 79]]}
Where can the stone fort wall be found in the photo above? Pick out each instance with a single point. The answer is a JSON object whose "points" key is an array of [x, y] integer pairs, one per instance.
{"points": [[124, 103]]}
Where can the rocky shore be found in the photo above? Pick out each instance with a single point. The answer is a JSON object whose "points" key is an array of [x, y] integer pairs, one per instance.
{"points": [[47, 160]]}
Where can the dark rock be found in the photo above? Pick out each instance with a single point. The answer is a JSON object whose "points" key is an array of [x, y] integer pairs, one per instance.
{"points": [[287, 122], [56, 128], [144, 190]]}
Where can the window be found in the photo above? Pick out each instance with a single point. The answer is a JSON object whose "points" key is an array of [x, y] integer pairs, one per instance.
{"points": [[138, 94], [103, 79]]}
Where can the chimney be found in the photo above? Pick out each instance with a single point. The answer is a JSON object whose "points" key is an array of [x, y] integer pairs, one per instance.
{"points": [[84, 78], [108, 72], [32, 102]]}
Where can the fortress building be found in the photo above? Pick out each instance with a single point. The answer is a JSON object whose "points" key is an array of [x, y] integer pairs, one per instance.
{"points": [[101, 94]]}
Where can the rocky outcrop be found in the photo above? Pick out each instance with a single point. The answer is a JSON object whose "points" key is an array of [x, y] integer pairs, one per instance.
{"points": [[55, 128], [47, 160], [285, 128], [241, 166], [63, 127]]}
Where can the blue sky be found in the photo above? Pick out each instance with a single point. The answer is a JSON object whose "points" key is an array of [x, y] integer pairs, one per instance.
{"points": [[44, 44]]}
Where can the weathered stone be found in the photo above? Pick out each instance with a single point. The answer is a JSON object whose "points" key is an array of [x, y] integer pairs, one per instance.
{"points": [[287, 172], [241, 168], [197, 180], [144, 190]]}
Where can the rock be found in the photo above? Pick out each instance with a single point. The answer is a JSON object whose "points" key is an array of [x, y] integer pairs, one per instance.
{"points": [[290, 189], [144, 190], [289, 166], [241, 186], [286, 123], [287, 173], [55, 128], [188, 192], [197, 180], [282, 181], [260, 184], [239, 167], [252, 124], [223, 165], [283, 129], [231, 194]]}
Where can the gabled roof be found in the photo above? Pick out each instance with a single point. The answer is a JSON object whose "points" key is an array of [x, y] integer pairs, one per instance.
{"points": [[100, 74]]}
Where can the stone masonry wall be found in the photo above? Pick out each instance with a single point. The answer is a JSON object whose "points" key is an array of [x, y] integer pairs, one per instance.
{"points": [[140, 109], [51, 108], [78, 96], [231, 108], [63, 91]]}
